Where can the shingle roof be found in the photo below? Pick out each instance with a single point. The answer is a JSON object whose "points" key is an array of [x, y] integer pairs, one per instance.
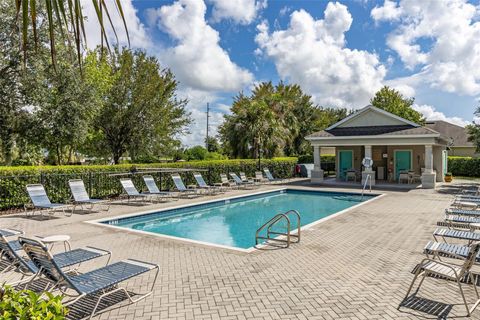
{"points": [[456, 134], [374, 130]]}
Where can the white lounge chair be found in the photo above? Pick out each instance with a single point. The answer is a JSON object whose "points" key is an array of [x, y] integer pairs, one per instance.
{"points": [[81, 197], [132, 192], [225, 182], [153, 188], [239, 181], [215, 189], [41, 202], [449, 271], [270, 177], [180, 186]]}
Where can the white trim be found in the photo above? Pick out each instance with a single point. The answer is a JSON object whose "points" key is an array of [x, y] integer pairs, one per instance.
{"points": [[370, 107], [338, 161], [395, 161], [98, 222], [377, 136]]}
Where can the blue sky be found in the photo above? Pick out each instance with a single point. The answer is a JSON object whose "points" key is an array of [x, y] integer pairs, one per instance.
{"points": [[339, 52]]}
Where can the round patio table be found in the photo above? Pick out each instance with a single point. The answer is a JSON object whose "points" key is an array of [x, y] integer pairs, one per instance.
{"points": [[52, 240]]}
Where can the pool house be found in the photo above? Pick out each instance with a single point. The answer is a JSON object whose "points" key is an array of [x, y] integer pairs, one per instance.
{"points": [[402, 151]]}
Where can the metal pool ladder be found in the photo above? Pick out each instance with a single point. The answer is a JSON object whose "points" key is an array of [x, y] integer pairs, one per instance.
{"points": [[276, 238], [367, 179]]}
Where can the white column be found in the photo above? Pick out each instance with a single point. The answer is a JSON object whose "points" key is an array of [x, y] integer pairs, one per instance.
{"points": [[316, 158], [428, 176], [368, 171], [317, 172], [428, 159]]}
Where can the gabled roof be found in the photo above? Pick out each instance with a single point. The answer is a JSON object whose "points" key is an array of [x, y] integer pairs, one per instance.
{"points": [[456, 135], [371, 108]]}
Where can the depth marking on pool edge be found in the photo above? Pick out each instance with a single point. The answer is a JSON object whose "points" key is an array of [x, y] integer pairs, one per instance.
{"points": [[98, 222]]}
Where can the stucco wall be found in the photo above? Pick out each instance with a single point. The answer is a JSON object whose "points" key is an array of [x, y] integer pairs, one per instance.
{"points": [[371, 118], [437, 162]]}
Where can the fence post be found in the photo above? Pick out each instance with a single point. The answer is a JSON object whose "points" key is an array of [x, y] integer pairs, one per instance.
{"points": [[90, 184]]}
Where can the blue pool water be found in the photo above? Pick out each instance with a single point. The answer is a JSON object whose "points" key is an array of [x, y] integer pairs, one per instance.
{"points": [[234, 222]]}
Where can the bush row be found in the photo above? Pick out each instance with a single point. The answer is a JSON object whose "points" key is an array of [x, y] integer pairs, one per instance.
{"points": [[308, 158], [464, 166], [102, 181]]}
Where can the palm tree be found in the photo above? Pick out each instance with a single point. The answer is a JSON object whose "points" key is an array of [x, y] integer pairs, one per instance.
{"points": [[64, 15]]}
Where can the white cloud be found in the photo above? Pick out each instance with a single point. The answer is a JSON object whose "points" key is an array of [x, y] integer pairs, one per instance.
{"points": [[389, 11], [240, 11], [430, 113], [197, 60], [440, 37], [312, 53], [284, 11], [138, 36]]}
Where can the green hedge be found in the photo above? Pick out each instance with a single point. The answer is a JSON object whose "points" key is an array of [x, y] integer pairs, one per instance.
{"points": [[100, 183], [308, 158], [464, 166]]}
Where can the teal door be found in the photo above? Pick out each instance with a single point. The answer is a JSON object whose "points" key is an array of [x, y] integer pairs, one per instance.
{"points": [[403, 161], [345, 162], [445, 161]]}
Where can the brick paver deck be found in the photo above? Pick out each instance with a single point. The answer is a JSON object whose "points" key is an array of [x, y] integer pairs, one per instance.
{"points": [[354, 266]]}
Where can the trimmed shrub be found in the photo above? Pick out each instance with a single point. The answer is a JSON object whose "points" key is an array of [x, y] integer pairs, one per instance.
{"points": [[464, 166], [26, 304], [102, 181], [308, 158]]}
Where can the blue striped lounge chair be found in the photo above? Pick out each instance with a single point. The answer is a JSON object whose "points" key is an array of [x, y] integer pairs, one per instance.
{"points": [[41, 202], [11, 252], [180, 186], [8, 232], [153, 188], [98, 283], [444, 233], [81, 197], [131, 191], [462, 212], [450, 272], [449, 250]]}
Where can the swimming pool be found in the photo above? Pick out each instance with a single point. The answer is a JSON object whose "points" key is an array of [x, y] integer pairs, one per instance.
{"points": [[232, 222]]}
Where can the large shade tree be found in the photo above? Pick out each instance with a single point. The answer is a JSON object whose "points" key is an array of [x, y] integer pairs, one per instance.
{"points": [[139, 111]]}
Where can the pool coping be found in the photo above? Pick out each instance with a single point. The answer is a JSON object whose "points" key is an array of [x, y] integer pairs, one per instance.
{"points": [[99, 222]]}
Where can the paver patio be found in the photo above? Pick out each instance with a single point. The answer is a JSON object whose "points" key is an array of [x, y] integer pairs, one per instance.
{"points": [[353, 266]]}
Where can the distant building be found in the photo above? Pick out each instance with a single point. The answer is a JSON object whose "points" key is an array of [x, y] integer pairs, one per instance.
{"points": [[457, 138]]}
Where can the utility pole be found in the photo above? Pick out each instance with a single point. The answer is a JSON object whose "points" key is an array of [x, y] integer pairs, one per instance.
{"points": [[208, 117]]}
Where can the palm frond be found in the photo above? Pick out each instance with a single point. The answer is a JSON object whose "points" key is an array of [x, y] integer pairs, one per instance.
{"points": [[66, 15]]}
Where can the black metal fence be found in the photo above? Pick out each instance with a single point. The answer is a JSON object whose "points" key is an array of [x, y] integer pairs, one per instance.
{"points": [[107, 184]]}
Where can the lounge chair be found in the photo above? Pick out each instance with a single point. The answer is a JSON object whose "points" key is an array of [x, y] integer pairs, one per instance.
{"points": [[449, 271], [132, 192], [448, 250], [98, 283], [259, 178], [475, 192], [81, 197], [462, 219], [10, 251], [225, 182], [153, 188], [244, 178], [468, 236], [8, 232], [462, 212], [465, 203], [215, 189], [239, 181], [41, 202], [459, 225], [270, 177], [180, 186]]}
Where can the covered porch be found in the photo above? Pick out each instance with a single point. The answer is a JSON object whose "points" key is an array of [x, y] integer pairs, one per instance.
{"points": [[410, 164]]}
